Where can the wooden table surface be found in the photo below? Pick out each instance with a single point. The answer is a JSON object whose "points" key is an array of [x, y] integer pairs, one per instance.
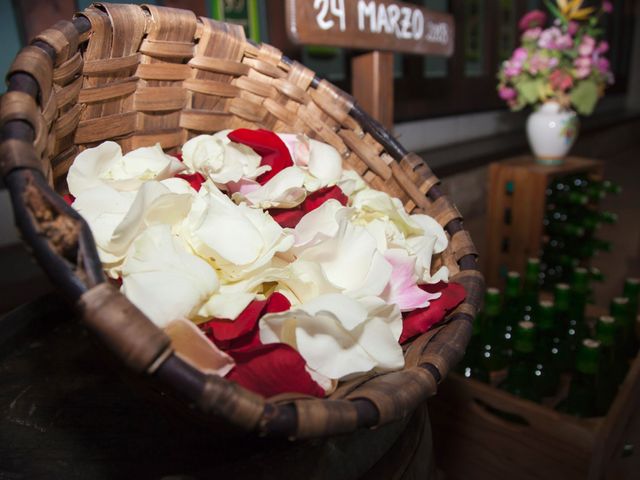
{"points": [[66, 411]]}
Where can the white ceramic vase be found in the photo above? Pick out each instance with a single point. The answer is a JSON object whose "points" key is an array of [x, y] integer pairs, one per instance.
{"points": [[551, 132]]}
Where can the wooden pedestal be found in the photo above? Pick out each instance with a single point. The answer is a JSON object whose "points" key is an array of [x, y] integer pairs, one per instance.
{"points": [[515, 210], [472, 438]]}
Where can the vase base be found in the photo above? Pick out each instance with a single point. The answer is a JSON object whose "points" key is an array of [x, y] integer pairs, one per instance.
{"points": [[549, 161]]}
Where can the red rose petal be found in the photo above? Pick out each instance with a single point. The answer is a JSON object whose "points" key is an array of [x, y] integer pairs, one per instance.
{"points": [[178, 156], [315, 199], [273, 369], [195, 179], [277, 303], [421, 319], [269, 146], [69, 198], [242, 332], [289, 217]]}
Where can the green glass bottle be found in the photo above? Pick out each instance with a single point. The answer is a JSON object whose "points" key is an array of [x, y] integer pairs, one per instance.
{"points": [[595, 189], [564, 229], [624, 326], [611, 187], [471, 366], [493, 350], [612, 364], [546, 348], [562, 320], [578, 295], [560, 193], [530, 288], [523, 371], [607, 217], [512, 306], [581, 400], [596, 275]]}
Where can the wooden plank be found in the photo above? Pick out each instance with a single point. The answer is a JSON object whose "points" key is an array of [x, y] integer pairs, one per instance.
{"points": [[372, 85], [482, 432], [38, 15], [510, 244], [370, 24]]}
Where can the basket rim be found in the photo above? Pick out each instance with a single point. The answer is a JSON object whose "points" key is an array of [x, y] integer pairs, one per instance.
{"points": [[74, 266]]}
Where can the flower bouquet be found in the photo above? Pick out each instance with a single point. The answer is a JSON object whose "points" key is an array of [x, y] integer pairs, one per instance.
{"points": [[265, 260], [558, 67]]}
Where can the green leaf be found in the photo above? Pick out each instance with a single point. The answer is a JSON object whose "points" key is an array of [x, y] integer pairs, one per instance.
{"points": [[585, 96], [529, 90], [556, 12]]}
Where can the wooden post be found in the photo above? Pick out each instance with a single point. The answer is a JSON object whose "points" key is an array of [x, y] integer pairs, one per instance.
{"points": [[372, 85], [384, 24]]}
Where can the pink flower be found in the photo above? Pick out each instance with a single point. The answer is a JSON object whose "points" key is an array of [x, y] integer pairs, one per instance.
{"points": [[560, 80], [507, 93], [564, 42], [512, 69], [513, 66], [603, 47], [607, 6], [553, 39], [572, 28], [519, 54], [534, 18], [583, 66], [586, 46], [531, 34], [603, 65], [537, 63]]}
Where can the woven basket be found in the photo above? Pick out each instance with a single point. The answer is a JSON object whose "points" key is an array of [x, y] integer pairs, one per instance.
{"points": [[141, 75]]}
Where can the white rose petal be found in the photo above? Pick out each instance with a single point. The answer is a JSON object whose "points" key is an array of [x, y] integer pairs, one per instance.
{"points": [[146, 163], [84, 173], [433, 240], [325, 163], [350, 182], [238, 238], [318, 224], [164, 279], [103, 207], [105, 164], [116, 217], [351, 260], [229, 305], [339, 336], [298, 146], [376, 204], [220, 159], [283, 190]]}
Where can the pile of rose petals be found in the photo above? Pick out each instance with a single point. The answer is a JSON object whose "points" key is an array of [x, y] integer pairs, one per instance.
{"points": [[297, 274]]}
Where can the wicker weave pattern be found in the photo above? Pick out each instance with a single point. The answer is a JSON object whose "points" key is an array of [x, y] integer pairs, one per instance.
{"points": [[152, 74]]}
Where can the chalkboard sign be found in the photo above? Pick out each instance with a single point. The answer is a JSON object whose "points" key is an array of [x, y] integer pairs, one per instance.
{"points": [[370, 25]]}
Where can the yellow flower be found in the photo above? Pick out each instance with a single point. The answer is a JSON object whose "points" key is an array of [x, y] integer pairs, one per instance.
{"points": [[571, 9]]}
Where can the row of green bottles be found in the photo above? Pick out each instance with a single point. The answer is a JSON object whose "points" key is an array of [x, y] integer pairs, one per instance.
{"points": [[570, 225], [579, 190], [536, 341]]}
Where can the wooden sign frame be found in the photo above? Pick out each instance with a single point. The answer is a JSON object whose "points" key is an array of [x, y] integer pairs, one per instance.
{"points": [[372, 25]]}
